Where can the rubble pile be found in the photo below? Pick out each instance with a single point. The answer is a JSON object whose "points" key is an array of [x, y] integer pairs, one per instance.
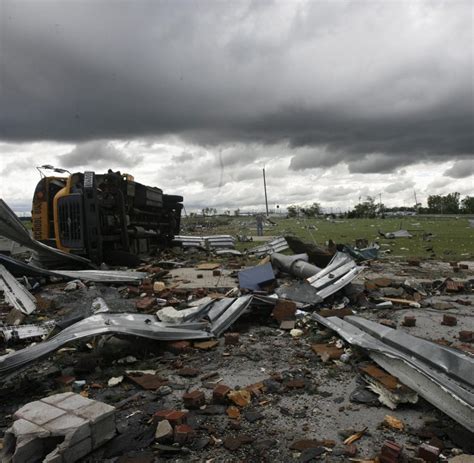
{"points": [[208, 353]]}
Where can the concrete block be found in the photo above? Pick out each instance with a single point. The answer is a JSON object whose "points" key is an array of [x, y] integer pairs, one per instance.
{"points": [[79, 450], [74, 402], [95, 411], [27, 428], [56, 398], [77, 427], [72, 423], [38, 412], [102, 422], [26, 451]]}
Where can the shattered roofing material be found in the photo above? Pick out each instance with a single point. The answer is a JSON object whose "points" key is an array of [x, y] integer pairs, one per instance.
{"points": [[133, 324], [276, 245], [128, 323], [339, 273], [100, 276], [231, 314], [15, 293], [397, 234], [208, 242]]}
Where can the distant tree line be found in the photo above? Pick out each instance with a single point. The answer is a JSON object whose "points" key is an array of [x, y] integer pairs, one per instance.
{"points": [[367, 209], [449, 204], [304, 211], [437, 204]]}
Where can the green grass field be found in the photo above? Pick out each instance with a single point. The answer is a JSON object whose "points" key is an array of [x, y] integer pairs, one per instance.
{"points": [[452, 238]]}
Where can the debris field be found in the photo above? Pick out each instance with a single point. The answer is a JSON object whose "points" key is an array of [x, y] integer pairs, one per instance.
{"points": [[287, 352]]}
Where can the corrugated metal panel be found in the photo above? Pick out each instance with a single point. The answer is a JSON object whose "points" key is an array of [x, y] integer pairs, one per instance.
{"points": [[276, 245], [440, 374]]}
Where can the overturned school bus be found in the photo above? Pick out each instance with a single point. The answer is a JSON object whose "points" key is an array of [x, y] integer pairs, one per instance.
{"points": [[107, 217]]}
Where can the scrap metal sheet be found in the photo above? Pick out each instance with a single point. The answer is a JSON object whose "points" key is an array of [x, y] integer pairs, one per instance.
{"points": [[211, 241], [442, 375], [12, 228], [126, 324], [100, 276], [339, 273], [15, 293], [276, 245]]}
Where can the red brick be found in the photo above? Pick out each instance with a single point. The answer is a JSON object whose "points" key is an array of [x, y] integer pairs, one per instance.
{"points": [[177, 417], [382, 282], [161, 415], [65, 380], [133, 291], [194, 399], [219, 394], [466, 336], [429, 453], [370, 286], [350, 450], [188, 372], [295, 384], [179, 347], [409, 320], [391, 452], [145, 304], [284, 310], [183, 434], [231, 339], [146, 286], [449, 320]]}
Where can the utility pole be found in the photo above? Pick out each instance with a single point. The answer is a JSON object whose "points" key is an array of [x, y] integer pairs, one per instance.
{"points": [[265, 188], [416, 201]]}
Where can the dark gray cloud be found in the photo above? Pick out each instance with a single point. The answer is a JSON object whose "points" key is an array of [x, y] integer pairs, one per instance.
{"points": [[183, 157], [461, 169], [100, 153], [375, 86]]}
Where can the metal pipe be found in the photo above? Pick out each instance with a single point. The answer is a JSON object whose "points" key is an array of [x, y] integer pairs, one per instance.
{"points": [[296, 265]]}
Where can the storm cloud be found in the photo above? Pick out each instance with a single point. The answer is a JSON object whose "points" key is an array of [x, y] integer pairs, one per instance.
{"points": [[338, 100], [374, 85], [461, 169], [98, 152]]}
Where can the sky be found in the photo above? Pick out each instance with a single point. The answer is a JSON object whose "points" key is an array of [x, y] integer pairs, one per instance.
{"points": [[338, 100]]}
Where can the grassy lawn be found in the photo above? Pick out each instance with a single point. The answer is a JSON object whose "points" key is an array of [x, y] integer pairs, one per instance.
{"points": [[452, 238]]}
